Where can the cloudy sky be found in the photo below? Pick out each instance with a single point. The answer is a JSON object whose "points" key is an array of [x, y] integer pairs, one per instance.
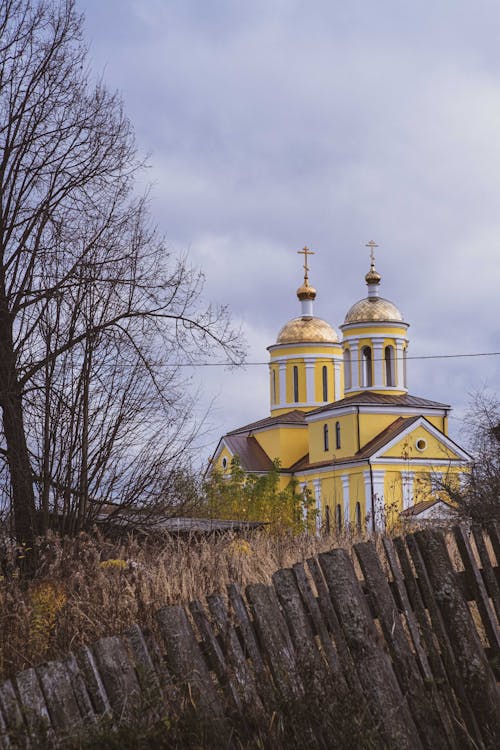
{"points": [[272, 124]]}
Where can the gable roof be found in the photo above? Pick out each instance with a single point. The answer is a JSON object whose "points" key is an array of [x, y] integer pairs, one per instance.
{"points": [[382, 440], [372, 398], [251, 454], [294, 417], [419, 508]]}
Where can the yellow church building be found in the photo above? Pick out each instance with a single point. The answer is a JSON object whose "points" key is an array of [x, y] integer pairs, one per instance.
{"points": [[342, 422]]}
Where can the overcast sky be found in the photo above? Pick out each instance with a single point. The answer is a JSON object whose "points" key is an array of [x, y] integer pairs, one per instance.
{"points": [[271, 124]]}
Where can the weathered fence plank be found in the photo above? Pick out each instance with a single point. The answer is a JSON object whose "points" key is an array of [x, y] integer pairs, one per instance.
{"points": [[333, 625], [476, 582], [12, 714], [488, 571], [275, 640], [33, 704], [118, 677], [372, 662], [61, 702], [93, 682], [320, 627], [80, 691], [263, 677], [187, 664], [478, 679], [470, 732], [427, 721], [238, 674]]}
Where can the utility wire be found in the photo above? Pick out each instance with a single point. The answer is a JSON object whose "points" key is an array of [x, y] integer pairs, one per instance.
{"points": [[325, 359]]}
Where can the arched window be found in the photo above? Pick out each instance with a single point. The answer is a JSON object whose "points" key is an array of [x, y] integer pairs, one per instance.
{"points": [[347, 370], [295, 384], [337, 435], [326, 440], [274, 386], [389, 366], [327, 519], [324, 374], [404, 368], [357, 516], [338, 517], [366, 360]]}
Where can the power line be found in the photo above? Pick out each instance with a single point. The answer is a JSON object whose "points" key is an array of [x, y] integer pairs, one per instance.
{"points": [[325, 359]]}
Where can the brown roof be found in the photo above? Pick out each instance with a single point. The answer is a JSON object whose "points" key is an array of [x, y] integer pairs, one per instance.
{"points": [[390, 432], [290, 417], [415, 510], [371, 398], [252, 456]]}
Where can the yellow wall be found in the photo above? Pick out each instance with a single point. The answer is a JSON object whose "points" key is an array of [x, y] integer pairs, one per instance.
{"points": [[286, 443]]}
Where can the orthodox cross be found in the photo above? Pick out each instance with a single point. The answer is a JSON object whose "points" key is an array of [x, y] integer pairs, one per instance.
{"points": [[305, 252], [372, 245]]}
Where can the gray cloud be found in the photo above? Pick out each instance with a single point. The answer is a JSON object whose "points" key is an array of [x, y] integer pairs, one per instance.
{"points": [[275, 124]]}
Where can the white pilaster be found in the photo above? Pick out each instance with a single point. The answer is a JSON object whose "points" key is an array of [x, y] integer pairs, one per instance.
{"points": [[354, 346], [303, 489], [317, 495], [310, 380], [378, 476], [346, 498], [337, 364], [399, 364], [282, 384], [368, 500], [407, 478], [378, 362]]}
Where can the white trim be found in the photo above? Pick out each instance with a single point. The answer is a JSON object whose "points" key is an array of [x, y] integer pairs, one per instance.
{"points": [[407, 479], [317, 494], [310, 365], [346, 497], [282, 384], [368, 500], [380, 462], [378, 362], [339, 411], [378, 476], [337, 364], [304, 345], [303, 488], [373, 324], [429, 427]]}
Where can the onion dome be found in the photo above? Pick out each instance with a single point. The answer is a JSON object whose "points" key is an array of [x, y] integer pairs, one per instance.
{"points": [[373, 309], [306, 291], [307, 330]]}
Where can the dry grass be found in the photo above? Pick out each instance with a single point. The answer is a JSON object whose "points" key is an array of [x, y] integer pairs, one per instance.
{"points": [[88, 588]]}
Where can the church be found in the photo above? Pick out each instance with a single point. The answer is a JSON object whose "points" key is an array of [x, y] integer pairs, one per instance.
{"points": [[342, 422]]}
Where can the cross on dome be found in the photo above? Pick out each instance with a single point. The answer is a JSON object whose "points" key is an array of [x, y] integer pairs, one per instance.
{"points": [[372, 245], [305, 252]]}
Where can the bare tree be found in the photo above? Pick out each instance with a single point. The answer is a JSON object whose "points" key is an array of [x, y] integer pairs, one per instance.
{"points": [[478, 499], [93, 311]]}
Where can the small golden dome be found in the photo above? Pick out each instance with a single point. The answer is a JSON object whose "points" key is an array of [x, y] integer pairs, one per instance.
{"points": [[306, 291], [373, 276], [373, 309], [307, 330]]}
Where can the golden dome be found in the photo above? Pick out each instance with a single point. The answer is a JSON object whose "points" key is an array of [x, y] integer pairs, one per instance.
{"points": [[306, 291], [373, 309], [307, 330], [373, 276]]}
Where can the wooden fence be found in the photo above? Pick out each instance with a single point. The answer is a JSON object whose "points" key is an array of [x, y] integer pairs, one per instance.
{"points": [[397, 646]]}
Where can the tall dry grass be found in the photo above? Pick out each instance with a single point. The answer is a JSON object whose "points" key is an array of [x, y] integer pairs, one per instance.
{"points": [[87, 588]]}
